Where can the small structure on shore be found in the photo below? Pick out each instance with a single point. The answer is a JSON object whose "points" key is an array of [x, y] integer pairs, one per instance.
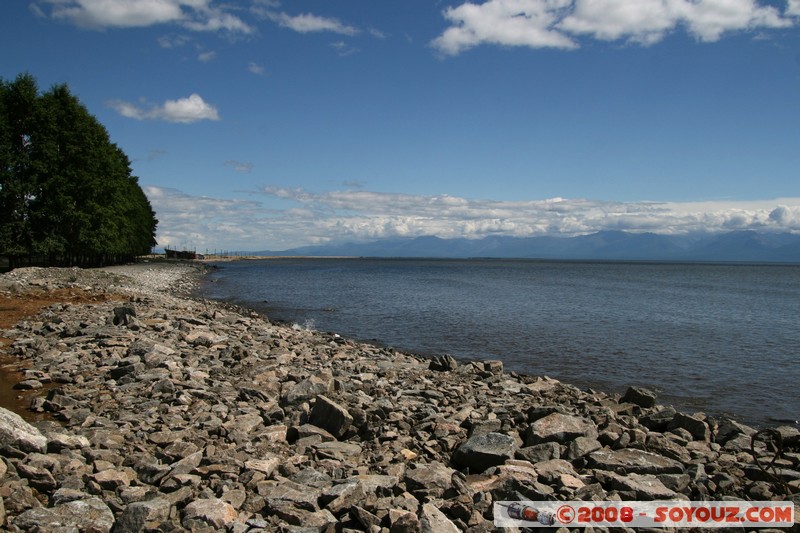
{"points": [[180, 254]]}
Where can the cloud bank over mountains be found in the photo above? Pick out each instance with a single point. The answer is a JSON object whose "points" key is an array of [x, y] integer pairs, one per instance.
{"points": [[277, 218]]}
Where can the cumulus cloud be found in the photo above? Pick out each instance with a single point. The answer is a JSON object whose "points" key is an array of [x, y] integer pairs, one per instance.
{"points": [[196, 15], [559, 23], [297, 217], [184, 110]]}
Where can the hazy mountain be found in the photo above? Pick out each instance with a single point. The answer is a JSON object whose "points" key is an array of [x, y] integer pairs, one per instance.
{"points": [[744, 246]]}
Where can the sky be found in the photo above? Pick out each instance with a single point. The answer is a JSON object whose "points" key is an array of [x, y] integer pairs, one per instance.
{"points": [[265, 125]]}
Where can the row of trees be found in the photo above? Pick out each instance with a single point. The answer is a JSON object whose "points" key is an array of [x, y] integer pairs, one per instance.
{"points": [[67, 196]]}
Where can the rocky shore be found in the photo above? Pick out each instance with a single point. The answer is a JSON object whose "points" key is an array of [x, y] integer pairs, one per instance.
{"points": [[167, 413]]}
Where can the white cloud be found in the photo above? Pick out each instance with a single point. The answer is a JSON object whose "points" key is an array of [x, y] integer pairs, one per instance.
{"points": [[173, 41], [343, 49], [256, 69], [558, 23], [184, 110], [197, 15], [297, 217], [205, 57], [308, 23]]}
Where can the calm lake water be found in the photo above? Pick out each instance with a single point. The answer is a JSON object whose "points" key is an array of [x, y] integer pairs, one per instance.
{"points": [[722, 339]]}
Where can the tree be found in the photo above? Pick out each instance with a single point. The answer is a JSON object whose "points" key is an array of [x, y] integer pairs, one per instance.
{"points": [[66, 191]]}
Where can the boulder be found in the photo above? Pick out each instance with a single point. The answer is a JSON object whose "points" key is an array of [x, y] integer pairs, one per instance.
{"points": [[443, 363], [331, 416], [632, 460], [484, 451], [211, 511], [17, 433], [432, 520], [698, 428], [560, 428], [429, 480], [90, 515], [645, 486], [145, 515], [639, 396]]}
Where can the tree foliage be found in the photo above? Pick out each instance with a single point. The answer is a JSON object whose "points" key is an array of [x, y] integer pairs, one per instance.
{"points": [[67, 196]]}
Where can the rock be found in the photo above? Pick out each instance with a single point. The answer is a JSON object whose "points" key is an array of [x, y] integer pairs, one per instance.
{"points": [[639, 396], [560, 428], [659, 420], [267, 465], [645, 486], [365, 518], [39, 478], [582, 446], [123, 315], [61, 441], [15, 432], [337, 450], [443, 363], [484, 451], [429, 480], [211, 511], [550, 472], [631, 460], [403, 522], [539, 452], [307, 389], [698, 428], [340, 498], [90, 515], [144, 515], [729, 429], [331, 416], [112, 478], [432, 520], [28, 384]]}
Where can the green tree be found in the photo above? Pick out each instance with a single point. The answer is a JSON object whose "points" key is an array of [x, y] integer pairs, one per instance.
{"points": [[66, 190]]}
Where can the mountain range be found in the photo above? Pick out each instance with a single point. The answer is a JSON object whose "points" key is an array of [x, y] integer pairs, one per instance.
{"points": [[737, 246]]}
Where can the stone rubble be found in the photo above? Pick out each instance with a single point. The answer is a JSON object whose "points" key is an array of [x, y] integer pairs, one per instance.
{"points": [[176, 414]]}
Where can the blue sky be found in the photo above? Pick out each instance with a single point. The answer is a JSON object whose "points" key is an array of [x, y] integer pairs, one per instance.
{"points": [[261, 124]]}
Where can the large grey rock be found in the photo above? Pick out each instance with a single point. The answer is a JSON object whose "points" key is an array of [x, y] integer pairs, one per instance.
{"points": [[539, 452], [429, 480], [331, 416], [443, 363], [658, 421], [698, 428], [15, 432], [484, 451], [560, 428], [141, 516], [645, 486], [639, 396], [211, 511], [632, 460], [91, 515], [340, 498], [307, 389], [433, 520]]}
